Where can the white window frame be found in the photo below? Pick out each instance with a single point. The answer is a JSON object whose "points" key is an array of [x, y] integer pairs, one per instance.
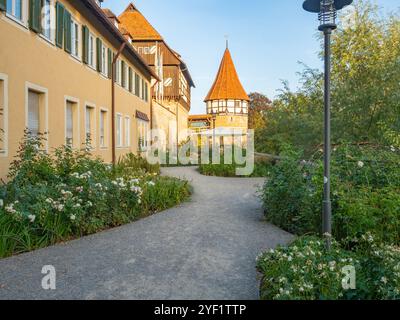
{"points": [[104, 60], [127, 131], [76, 46], [105, 124], [92, 51], [4, 79], [24, 13], [45, 92], [119, 129], [143, 139], [50, 37], [76, 101], [92, 106]]}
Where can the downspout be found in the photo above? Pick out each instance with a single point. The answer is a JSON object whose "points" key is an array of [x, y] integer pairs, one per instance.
{"points": [[113, 101]]}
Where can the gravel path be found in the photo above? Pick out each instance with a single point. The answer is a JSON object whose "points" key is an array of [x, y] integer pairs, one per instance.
{"points": [[204, 249]]}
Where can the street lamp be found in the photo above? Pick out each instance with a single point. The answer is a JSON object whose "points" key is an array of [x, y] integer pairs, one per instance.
{"points": [[327, 13]]}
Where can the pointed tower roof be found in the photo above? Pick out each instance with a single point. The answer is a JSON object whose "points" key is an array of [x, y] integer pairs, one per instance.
{"points": [[137, 25], [227, 84]]}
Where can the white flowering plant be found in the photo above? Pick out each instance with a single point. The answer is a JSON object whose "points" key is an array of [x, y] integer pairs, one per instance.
{"points": [[306, 270], [365, 192], [67, 194]]}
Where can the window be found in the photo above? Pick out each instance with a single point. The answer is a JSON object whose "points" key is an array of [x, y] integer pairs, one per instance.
{"points": [[47, 19], [119, 130], [75, 34], [143, 127], [90, 121], [71, 123], [15, 8], [104, 60], [3, 115], [36, 109], [69, 139], [103, 121], [33, 113], [91, 51], [127, 131]]}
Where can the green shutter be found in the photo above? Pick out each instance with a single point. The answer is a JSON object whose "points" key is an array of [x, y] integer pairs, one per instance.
{"points": [[123, 75], [130, 79], [110, 57], [3, 5], [35, 11], [115, 68], [85, 44], [142, 89], [67, 31], [137, 84], [99, 45], [59, 24]]}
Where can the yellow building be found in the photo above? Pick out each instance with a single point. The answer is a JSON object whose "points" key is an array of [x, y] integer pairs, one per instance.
{"points": [[227, 102], [171, 96], [55, 78]]}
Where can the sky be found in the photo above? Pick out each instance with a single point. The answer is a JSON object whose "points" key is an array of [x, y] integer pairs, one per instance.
{"points": [[267, 38]]}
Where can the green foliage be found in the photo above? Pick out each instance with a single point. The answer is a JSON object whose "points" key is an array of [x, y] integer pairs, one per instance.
{"points": [[366, 197], [365, 95], [52, 198], [305, 270]]}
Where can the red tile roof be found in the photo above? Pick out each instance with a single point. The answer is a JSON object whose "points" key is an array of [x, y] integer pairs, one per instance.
{"points": [[137, 25], [227, 84]]}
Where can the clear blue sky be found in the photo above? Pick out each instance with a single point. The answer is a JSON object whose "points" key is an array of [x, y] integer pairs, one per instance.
{"points": [[267, 38]]}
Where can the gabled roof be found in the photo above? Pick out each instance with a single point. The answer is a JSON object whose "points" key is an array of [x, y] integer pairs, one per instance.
{"points": [[102, 17], [227, 84], [110, 14], [133, 21], [137, 25]]}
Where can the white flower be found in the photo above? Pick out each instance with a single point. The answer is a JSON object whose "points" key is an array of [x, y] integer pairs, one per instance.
{"points": [[384, 280], [72, 217], [151, 183], [90, 204], [79, 189], [392, 148], [32, 218], [1, 203], [360, 164]]}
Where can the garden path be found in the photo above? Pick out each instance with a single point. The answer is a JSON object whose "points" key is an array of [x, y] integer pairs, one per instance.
{"points": [[205, 248]]}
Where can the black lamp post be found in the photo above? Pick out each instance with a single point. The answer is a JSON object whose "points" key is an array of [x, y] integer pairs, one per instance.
{"points": [[327, 13]]}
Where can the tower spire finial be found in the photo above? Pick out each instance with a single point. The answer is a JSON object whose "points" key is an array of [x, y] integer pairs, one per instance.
{"points": [[227, 41]]}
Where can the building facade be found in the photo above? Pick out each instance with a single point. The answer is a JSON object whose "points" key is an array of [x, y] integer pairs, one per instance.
{"points": [[55, 78], [227, 102], [171, 96]]}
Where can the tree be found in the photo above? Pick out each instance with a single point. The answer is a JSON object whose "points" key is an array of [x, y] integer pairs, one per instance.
{"points": [[258, 105], [365, 89]]}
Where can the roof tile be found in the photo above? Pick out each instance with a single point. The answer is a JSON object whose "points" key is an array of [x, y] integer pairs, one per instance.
{"points": [[227, 84]]}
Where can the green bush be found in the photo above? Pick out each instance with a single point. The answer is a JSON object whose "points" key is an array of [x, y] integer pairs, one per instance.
{"points": [[261, 169], [51, 198], [365, 197], [305, 270]]}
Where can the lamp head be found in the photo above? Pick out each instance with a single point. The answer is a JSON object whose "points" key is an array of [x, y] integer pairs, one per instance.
{"points": [[315, 5], [327, 11]]}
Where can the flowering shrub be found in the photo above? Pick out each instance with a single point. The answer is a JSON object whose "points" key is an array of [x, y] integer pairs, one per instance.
{"points": [[307, 271], [365, 198], [53, 198]]}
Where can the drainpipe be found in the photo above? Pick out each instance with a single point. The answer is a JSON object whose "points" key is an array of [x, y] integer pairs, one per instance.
{"points": [[113, 101]]}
